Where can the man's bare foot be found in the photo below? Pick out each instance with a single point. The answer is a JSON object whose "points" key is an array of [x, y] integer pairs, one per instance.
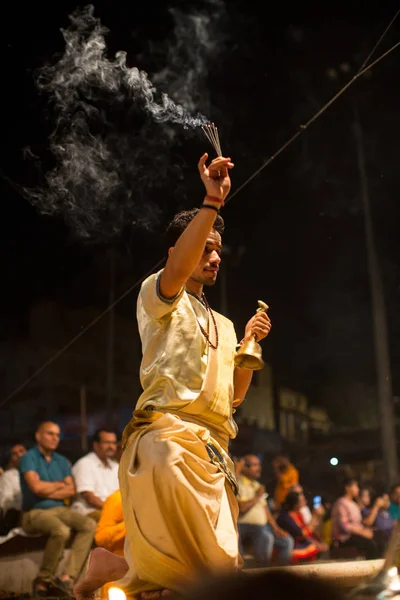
{"points": [[104, 566], [156, 595]]}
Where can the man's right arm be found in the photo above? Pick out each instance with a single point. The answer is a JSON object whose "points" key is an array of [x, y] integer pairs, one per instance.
{"points": [[189, 248], [370, 518], [44, 489], [246, 505]]}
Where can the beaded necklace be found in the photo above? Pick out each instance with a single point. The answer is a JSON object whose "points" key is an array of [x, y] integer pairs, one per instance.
{"points": [[204, 301]]}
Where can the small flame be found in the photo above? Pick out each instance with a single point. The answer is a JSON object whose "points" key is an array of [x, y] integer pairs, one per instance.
{"points": [[115, 593]]}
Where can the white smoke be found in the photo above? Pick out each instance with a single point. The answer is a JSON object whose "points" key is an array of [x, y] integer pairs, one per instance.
{"points": [[114, 132], [188, 85]]}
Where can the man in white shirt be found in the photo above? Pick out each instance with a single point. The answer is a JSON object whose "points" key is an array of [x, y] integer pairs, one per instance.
{"points": [[10, 491], [96, 474], [255, 519], [10, 487]]}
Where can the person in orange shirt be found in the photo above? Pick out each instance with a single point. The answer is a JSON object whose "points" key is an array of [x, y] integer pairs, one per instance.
{"points": [[111, 531], [287, 475]]}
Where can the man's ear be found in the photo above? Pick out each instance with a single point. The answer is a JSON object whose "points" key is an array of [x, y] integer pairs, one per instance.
{"points": [[170, 250]]}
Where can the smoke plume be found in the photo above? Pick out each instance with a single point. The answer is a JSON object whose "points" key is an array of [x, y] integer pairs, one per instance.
{"points": [[115, 134]]}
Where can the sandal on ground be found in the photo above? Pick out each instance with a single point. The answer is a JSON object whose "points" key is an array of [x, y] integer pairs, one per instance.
{"points": [[36, 591], [60, 589]]}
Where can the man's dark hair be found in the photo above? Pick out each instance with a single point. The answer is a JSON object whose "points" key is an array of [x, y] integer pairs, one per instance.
{"points": [[98, 432], [394, 487], [179, 223], [348, 482]]}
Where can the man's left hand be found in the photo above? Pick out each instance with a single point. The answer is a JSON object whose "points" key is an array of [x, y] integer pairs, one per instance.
{"points": [[258, 326]]}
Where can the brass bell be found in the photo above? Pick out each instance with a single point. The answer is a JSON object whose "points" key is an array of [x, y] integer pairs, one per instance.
{"points": [[249, 355]]}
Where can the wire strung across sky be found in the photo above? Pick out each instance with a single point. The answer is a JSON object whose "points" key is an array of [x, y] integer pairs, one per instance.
{"points": [[361, 71]]}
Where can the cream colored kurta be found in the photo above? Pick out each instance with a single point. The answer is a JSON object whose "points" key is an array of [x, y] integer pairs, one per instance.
{"points": [[179, 509], [175, 359]]}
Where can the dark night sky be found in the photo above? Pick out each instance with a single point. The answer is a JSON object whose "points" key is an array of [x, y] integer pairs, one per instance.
{"points": [[300, 221]]}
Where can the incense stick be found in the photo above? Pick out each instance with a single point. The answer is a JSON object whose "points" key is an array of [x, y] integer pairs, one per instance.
{"points": [[211, 133]]}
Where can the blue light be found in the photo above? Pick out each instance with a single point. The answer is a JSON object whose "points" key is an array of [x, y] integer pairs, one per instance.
{"points": [[334, 461]]}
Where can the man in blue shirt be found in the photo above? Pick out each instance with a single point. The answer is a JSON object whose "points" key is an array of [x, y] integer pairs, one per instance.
{"points": [[46, 483]]}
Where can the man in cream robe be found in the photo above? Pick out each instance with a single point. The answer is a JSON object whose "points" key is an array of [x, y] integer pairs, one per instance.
{"points": [[177, 481]]}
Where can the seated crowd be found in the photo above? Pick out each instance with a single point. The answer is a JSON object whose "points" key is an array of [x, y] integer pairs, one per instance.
{"points": [[41, 492], [282, 529], [53, 499]]}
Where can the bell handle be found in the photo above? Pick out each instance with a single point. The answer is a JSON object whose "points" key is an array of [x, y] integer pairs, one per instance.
{"points": [[262, 306]]}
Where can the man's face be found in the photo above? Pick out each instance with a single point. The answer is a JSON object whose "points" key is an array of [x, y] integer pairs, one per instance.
{"points": [[386, 501], [16, 452], [207, 270], [107, 446], [48, 436], [252, 468], [354, 489], [365, 497], [395, 495]]}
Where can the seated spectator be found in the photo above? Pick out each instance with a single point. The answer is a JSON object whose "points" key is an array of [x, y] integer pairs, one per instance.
{"points": [[111, 532], [394, 509], [312, 518], [305, 509], [379, 519], [364, 499], [16, 452], [306, 545], [286, 475], [347, 526], [46, 483], [10, 491], [256, 521], [96, 474]]}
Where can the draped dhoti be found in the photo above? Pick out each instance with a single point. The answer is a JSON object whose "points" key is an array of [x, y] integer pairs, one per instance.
{"points": [[180, 509]]}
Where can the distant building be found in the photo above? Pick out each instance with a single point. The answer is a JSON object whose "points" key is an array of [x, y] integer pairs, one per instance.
{"points": [[282, 410], [258, 408]]}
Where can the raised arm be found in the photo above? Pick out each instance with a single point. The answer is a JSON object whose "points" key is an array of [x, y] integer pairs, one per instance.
{"points": [[370, 519], [246, 505], [188, 250]]}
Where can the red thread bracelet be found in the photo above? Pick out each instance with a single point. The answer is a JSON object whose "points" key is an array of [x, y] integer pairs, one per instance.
{"points": [[214, 199]]}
